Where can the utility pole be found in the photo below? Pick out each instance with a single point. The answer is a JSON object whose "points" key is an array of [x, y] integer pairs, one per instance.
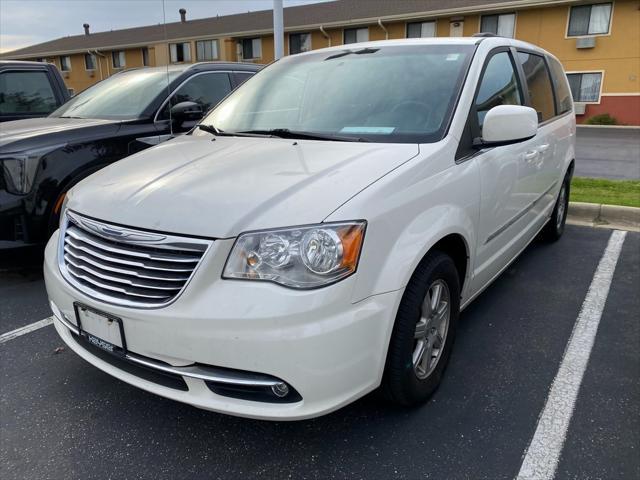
{"points": [[278, 29]]}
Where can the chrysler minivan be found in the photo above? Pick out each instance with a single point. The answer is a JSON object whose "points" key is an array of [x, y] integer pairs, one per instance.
{"points": [[318, 234]]}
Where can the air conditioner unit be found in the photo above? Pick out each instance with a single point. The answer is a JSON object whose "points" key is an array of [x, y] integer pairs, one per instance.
{"points": [[65, 74], [92, 73], [585, 42], [579, 108]]}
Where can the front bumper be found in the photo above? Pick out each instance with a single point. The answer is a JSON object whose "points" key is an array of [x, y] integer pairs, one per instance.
{"points": [[326, 348]]}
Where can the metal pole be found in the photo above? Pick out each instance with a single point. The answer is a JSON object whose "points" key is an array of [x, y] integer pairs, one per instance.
{"points": [[278, 29]]}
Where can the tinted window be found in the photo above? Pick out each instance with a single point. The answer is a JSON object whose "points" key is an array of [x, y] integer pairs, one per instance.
{"points": [[538, 84], [499, 85], [123, 96], [242, 77], [386, 94], [206, 89], [563, 93], [26, 92]]}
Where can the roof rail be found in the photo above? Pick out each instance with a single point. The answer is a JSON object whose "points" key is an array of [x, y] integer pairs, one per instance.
{"points": [[485, 34]]}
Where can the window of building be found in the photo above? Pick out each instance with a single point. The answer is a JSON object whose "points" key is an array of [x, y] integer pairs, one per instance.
{"points": [[356, 35], [589, 19], [41, 60], [585, 87], [65, 63], [538, 85], [145, 56], [421, 29], [502, 25], [299, 42], [118, 60], [499, 85], [26, 92], [180, 52], [89, 61], [563, 92], [205, 89], [251, 48], [207, 50]]}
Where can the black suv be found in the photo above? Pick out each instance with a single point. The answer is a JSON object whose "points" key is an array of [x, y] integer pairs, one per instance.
{"points": [[30, 90], [124, 114]]}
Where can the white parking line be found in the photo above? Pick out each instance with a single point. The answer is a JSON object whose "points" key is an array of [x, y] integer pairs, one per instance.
{"points": [[541, 459], [5, 337]]}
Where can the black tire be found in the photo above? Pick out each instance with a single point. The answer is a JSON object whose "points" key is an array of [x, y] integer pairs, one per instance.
{"points": [[554, 228], [401, 383]]}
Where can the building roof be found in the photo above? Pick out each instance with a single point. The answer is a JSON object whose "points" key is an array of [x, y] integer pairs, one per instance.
{"points": [[341, 12]]}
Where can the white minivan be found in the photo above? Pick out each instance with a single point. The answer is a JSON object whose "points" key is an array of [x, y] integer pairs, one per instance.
{"points": [[318, 235]]}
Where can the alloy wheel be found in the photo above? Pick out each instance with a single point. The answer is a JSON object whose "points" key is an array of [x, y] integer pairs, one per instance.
{"points": [[431, 329]]}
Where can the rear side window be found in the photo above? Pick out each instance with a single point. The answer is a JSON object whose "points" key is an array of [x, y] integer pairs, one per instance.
{"points": [[499, 85], [242, 77], [26, 92], [538, 85], [206, 90], [563, 93]]}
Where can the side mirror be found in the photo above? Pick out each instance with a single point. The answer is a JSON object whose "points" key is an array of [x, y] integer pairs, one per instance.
{"points": [[507, 124], [186, 112]]}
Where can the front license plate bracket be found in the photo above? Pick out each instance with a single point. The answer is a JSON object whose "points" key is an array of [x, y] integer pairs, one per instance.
{"points": [[115, 342]]}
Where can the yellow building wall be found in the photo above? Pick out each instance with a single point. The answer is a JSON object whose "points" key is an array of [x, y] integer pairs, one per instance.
{"points": [[617, 53]]}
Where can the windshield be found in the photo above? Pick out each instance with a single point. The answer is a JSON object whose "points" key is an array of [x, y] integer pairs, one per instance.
{"points": [[401, 94], [123, 96]]}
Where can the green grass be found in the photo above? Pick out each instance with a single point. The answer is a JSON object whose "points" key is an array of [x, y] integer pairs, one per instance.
{"points": [[610, 192]]}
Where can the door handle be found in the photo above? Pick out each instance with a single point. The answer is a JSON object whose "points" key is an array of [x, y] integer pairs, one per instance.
{"points": [[543, 148], [531, 155]]}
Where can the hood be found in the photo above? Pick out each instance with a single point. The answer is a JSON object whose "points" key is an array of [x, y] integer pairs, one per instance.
{"points": [[194, 185], [32, 133]]}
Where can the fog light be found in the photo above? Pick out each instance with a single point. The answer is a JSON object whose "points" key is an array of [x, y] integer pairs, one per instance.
{"points": [[280, 389]]}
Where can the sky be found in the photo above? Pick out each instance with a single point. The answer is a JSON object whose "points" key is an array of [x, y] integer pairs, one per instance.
{"points": [[28, 22]]}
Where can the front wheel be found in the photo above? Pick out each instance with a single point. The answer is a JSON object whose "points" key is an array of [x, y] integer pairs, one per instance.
{"points": [[554, 228], [424, 331]]}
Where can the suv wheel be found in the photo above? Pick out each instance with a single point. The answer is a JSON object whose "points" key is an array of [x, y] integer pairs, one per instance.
{"points": [[554, 228], [424, 331]]}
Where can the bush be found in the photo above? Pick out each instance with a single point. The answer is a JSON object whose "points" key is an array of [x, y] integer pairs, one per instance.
{"points": [[602, 119]]}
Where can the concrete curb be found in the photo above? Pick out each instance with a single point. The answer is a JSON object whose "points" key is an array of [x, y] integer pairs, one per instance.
{"points": [[605, 216], [627, 127]]}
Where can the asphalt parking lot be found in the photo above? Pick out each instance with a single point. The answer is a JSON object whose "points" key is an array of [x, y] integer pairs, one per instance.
{"points": [[606, 152], [61, 418]]}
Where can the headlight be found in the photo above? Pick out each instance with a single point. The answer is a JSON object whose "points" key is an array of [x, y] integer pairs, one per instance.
{"points": [[63, 210], [19, 169], [298, 257]]}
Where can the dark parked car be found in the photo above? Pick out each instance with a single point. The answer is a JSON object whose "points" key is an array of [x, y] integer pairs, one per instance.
{"points": [[124, 114], [30, 90]]}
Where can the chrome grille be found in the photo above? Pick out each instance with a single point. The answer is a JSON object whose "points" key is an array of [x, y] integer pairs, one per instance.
{"points": [[125, 266]]}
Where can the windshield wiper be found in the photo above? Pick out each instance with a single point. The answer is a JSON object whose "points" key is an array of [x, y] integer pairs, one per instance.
{"points": [[287, 133], [349, 52], [209, 129], [221, 133]]}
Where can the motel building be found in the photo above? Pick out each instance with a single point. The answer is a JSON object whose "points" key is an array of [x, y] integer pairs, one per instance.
{"points": [[597, 42]]}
